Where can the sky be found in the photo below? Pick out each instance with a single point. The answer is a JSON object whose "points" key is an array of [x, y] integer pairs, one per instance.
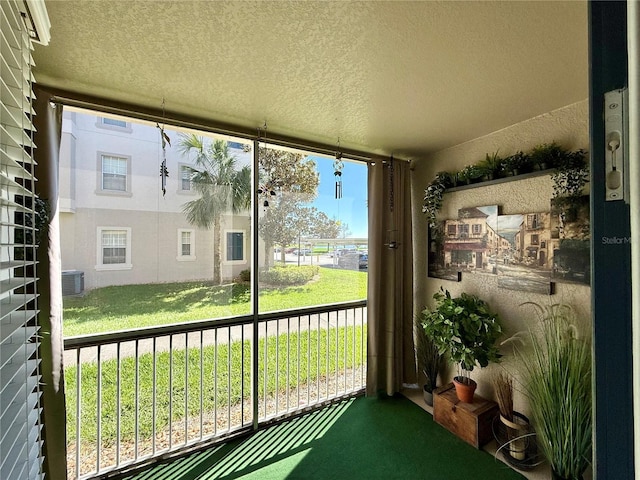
{"points": [[352, 207]]}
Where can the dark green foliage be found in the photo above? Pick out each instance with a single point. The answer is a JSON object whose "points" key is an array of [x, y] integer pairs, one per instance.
{"points": [[516, 164], [289, 275], [430, 360], [245, 275], [464, 329]]}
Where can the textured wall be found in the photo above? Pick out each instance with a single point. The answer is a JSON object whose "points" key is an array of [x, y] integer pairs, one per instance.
{"points": [[567, 126]]}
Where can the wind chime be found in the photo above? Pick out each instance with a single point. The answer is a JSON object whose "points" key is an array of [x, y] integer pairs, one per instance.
{"points": [[164, 172], [338, 165], [267, 189]]}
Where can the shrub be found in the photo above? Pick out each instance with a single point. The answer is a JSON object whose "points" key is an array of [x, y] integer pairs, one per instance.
{"points": [[245, 275], [289, 275]]}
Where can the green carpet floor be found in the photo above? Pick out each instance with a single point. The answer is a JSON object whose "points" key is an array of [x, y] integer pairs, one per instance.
{"points": [[362, 438]]}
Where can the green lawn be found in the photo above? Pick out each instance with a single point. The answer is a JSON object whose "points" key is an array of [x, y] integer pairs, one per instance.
{"points": [[226, 379], [133, 306]]}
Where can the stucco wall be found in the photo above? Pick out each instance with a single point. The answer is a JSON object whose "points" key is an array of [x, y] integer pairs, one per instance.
{"points": [[567, 126]]}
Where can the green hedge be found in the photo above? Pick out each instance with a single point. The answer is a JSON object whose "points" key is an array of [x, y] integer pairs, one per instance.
{"points": [[289, 275]]}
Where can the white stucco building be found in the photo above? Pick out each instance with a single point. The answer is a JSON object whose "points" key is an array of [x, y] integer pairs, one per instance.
{"points": [[117, 227]]}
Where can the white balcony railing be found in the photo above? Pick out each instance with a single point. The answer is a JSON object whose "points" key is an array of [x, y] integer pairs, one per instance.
{"points": [[136, 395]]}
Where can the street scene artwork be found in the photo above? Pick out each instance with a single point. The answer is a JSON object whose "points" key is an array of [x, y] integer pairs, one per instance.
{"points": [[527, 251], [468, 243], [525, 258], [570, 231]]}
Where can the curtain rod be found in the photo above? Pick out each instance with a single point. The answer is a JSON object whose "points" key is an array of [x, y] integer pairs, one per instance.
{"points": [[74, 99]]}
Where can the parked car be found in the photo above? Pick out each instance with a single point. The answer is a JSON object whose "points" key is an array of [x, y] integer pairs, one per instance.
{"points": [[354, 261]]}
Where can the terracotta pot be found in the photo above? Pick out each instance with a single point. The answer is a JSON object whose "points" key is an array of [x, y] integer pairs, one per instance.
{"points": [[464, 390]]}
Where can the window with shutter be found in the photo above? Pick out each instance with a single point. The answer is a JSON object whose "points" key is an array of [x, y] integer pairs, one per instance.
{"points": [[21, 454]]}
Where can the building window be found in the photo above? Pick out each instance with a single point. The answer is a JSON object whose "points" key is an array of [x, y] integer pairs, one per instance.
{"points": [[114, 248], [114, 173], [451, 229], [464, 230], [533, 221], [186, 245], [235, 246], [476, 229], [535, 239], [115, 124], [185, 178]]}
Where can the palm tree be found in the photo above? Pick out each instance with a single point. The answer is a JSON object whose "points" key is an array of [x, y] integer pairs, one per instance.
{"points": [[223, 186]]}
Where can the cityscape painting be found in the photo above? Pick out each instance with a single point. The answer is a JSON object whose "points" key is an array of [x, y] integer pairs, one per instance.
{"points": [[570, 232], [525, 261], [468, 244]]}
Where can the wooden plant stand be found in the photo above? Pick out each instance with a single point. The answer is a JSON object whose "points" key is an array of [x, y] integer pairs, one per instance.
{"points": [[469, 421]]}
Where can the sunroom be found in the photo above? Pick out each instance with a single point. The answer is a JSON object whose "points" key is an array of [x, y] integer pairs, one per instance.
{"points": [[174, 302]]}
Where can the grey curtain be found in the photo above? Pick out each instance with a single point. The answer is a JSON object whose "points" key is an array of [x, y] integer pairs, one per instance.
{"points": [[390, 355], [48, 123]]}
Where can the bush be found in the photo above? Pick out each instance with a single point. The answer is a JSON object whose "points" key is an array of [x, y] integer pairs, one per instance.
{"points": [[289, 275], [245, 276]]}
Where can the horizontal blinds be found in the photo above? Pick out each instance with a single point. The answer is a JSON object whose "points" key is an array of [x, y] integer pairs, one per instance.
{"points": [[21, 455]]}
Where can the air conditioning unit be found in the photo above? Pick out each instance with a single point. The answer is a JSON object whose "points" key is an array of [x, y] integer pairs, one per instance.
{"points": [[72, 282]]}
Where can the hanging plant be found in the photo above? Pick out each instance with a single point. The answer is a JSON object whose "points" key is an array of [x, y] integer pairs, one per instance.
{"points": [[433, 197], [571, 175]]}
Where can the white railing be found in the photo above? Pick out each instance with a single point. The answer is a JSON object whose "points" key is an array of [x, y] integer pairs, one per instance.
{"points": [[135, 395]]}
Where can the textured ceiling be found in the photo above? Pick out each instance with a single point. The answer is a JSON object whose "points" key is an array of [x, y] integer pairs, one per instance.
{"points": [[405, 78]]}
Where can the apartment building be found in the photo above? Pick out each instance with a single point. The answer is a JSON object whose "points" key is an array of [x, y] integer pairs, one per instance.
{"points": [[118, 227]]}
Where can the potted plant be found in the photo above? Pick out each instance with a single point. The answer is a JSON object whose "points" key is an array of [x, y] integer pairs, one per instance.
{"points": [[433, 196], [516, 164], [470, 174], [557, 382], [491, 166], [429, 359], [569, 179], [466, 331], [547, 155]]}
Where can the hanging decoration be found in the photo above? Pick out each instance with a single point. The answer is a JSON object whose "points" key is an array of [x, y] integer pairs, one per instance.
{"points": [[266, 190], [164, 172], [338, 165], [391, 192], [391, 240]]}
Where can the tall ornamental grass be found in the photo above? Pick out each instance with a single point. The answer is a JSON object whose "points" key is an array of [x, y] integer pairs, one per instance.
{"points": [[557, 369]]}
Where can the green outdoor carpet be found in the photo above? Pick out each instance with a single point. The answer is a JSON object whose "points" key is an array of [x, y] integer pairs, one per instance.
{"points": [[362, 438]]}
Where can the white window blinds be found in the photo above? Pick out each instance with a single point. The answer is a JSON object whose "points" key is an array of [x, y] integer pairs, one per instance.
{"points": [[20, 416]]}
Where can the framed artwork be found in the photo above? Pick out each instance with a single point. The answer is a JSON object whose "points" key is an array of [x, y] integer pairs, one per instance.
{"points": [[525, 256], [571, 240], [467, 244]]}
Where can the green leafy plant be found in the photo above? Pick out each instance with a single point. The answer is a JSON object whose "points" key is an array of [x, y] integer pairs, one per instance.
{"points": [[557, 371], [491, 166], [433, 196], [547, 155], [516, 164], [245, 276], [464, 329], [571, 175], [429, 358], [569, 178], [470, 174]]}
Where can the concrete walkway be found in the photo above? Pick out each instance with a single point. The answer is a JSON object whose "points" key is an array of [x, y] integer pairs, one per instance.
{"points": [[222, 335]]}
